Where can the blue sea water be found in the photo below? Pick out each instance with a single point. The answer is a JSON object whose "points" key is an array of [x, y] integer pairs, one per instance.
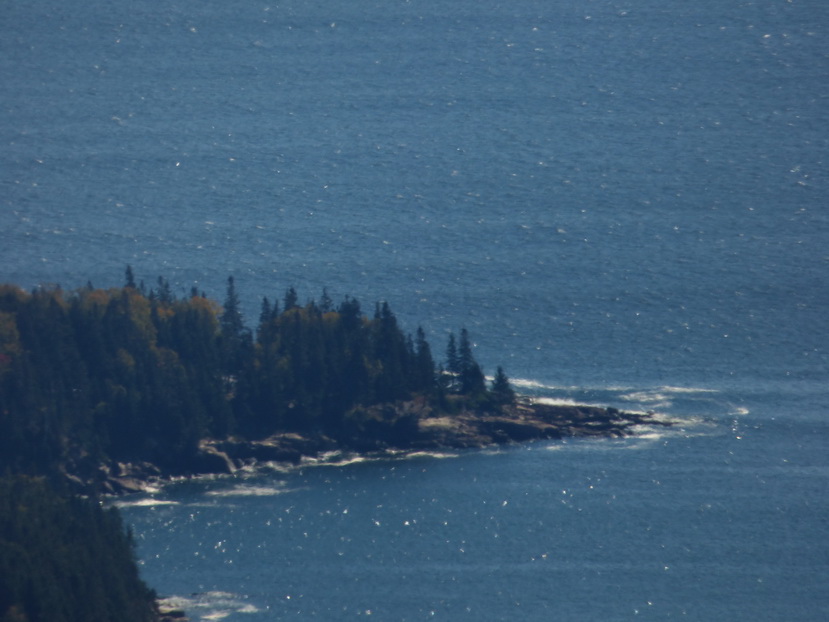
{"points": [[624, 202]]}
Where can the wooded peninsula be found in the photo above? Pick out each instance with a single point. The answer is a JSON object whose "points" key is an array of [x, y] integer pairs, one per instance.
{"points": [[103, 389]]}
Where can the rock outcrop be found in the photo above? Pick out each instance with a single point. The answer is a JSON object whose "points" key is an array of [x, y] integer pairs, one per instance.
{"points": [[409, 425]]}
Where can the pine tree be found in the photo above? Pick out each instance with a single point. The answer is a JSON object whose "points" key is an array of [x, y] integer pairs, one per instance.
{"points": [[231, 321], [471, 375], [236, 339], [291, 299], [165, 294], [390, 352], [502, 392], [265, 315], [424, 363], [453, 364], [130, 278], [326, 304]]}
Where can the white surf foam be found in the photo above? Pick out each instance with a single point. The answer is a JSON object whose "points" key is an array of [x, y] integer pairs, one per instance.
{"points": [[215, 605], [566, 401], [440, 455], [526, 383], [555, 401], [246, 490], [143, 503], [690, 390]]}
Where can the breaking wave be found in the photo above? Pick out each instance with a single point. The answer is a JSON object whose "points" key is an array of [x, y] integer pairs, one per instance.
{"points": [[214, 605], [143, 503], [247, 490]]}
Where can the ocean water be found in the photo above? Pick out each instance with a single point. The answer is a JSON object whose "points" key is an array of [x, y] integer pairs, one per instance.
{"points": [[691, 524], [624, 202]]}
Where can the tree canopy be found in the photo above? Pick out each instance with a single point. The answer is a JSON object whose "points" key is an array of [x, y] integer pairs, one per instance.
{"points": [[64, 559], [101, 376], [120, 374]]}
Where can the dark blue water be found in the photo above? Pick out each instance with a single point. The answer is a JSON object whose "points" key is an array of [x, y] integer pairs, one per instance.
{"points": [[623, 202], [693, 524]]}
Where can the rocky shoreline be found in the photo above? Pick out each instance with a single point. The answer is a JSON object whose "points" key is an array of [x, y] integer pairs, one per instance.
{"points": [[167, 613], [523, 421]]}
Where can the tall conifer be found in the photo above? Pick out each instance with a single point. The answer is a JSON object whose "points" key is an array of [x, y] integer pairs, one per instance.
{"points": [[502, 392], [231, 321], [129, 277]]}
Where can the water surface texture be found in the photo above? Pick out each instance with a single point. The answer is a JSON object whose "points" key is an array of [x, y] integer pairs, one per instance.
{"points": [[624, 202]]}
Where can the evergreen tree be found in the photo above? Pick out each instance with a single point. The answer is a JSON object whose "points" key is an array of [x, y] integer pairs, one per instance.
{"points": [[453, 364], [165, 294], [502, 392], [326, 304], [232, 323], [465, 357], [130, 278], [351, 314], [237, 346], [471, 376], [266, 315], [291, 300], [116, 375], [424, 363], [390, 352], [64, 559]]}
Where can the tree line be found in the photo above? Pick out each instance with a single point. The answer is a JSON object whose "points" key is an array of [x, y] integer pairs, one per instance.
{"points": [[131, 373], [99, 376]]}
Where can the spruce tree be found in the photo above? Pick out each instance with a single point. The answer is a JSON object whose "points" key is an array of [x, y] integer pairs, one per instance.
{"points": [[165, 293], [291, 299], [266, 313], [235, 339], [471, 375], [326, 304], [502, 392], [424, 364], [231, 321], [129, 277], [453, 364]]}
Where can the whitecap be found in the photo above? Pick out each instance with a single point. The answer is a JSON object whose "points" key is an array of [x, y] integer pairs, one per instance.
{"points": [[646, 396], [526, 383], [672, 389]]}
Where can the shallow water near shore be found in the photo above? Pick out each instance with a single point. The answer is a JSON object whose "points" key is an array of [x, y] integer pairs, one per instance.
{"points": [[718, 518]]}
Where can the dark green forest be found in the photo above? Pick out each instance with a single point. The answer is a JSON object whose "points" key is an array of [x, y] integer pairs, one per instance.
{"points": [[127, 374], [65, 559], [96, 377]]}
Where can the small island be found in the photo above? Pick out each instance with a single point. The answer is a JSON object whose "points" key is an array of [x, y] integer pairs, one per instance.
{"points": [[103, 391]]}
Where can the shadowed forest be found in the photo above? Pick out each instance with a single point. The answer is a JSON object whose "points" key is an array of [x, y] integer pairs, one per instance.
{"points": [[128, 374], [105, 376]]}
